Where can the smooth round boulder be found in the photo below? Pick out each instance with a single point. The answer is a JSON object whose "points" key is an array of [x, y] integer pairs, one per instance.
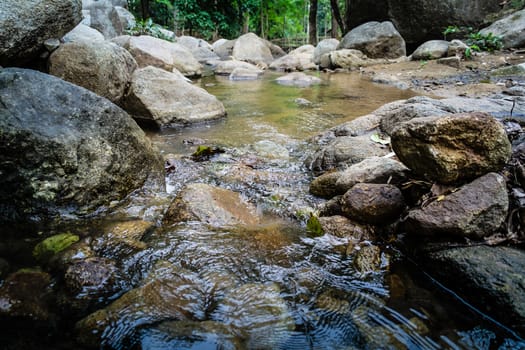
{"points": [[299, 59], [454, 148], [376, 204], [323, 47], [83, 32], [65, 151], [100, 66], [167, 99], [26, 25], [431, 50], [375, 40], [250, 48]]}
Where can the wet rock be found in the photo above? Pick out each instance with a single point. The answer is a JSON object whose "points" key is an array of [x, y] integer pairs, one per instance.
{"points": [[270, 149], [431, 50], [150, 51], [205, 334], [50, 246], [377, 204], [356, 127], [75, 252], [341, 226], [331, 207], [298, 79], [511, 29], [62, 149], [168, 293], [344, 151], [476, 210], [93, 278], [375, 40], [250, 48], [122, 239], [376, 170], [260, 311], [212, 205], [299, 59], [245, 74], [368, 259], [454, 148], [168, 99], [99, 66], [324, 186], [323, 47], [490, 278], [25, 25], [82, 33], [26, 293]]}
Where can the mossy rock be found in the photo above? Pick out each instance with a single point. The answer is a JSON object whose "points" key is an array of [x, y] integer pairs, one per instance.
{"points": [[44, 250]]}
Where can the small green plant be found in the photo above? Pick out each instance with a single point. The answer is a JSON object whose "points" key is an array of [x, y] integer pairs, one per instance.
{"points": [[314, 227], [450, 30], [147, 27], [484, 42]]}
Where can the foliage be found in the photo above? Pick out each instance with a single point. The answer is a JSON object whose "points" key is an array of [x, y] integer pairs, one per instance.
{"points": [[517, 4], [313, 226], [484, 42], [450, 30], [147, 27]]}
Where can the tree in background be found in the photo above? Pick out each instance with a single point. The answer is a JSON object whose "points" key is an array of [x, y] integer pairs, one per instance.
{"points": [[211, 19]]}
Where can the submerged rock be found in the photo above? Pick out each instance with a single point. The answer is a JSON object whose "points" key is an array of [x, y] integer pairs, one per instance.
{"points": [[121, 239], [227, 67], [341, 226], [66, 151], [25, 294], [476, 210], [245, 74], [375, 40], [212, 205], [490, 278], [100, 66], [368, 259], [168, 99], [25, 25], [376, 204], [298, 79], [454, 148]]}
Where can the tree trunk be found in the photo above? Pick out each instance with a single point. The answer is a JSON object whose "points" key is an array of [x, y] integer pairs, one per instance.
{"points": [[144, 9], [337, 16], [312, 20], [347, 17]]}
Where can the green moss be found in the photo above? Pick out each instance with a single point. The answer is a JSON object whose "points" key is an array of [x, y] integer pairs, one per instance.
{"points": [[314, 226], [52, 245]]}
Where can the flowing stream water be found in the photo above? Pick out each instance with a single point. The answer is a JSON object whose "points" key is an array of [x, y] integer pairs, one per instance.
{"points": [[273, 285]]}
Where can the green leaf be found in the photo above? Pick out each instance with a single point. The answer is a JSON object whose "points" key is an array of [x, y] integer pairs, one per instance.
{"points": [[313, 226]]}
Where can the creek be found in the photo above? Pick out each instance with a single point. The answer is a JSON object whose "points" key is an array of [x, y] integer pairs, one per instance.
{"points": [[273, 285]]}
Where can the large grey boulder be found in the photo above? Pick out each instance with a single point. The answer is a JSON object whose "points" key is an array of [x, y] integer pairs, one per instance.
{"points": [[299, 59], [168, 99], [422, 20], [150, 51], [511, 29], [212, 205], [250, 48], [350, 59], [224, 48], [105, 18], [476, 210], [100, 66], [65, 150], [431, 50], [490, 278], [375, 40], [201, 50], [394, 113], [25, 25], [82, 33], [453, 148], [323, 47]]}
